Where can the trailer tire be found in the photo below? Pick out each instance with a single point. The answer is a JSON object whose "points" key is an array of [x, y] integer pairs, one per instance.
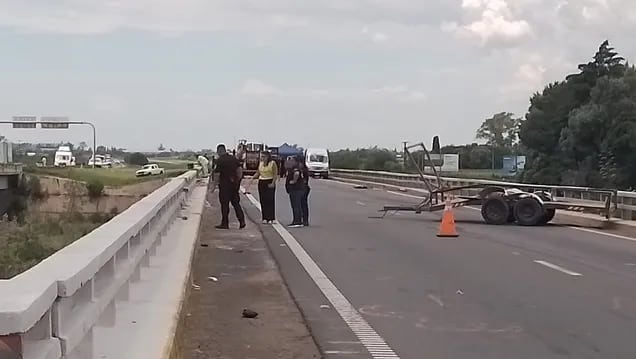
{"points": [[495, 210], [548, 215], [528, 212]]}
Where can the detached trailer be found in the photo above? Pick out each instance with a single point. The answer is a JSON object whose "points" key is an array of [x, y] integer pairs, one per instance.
{"points": [[501, 203]]}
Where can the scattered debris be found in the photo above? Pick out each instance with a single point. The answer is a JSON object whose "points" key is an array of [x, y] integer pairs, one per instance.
{"points": [[239, 251], [325, 306], [134, 322], [184, 217], [282, 245], [402, 189], [360, 186], [214, 279], [460, 292], [248, 313], [196, 287], [204, 245], [224, 247]]}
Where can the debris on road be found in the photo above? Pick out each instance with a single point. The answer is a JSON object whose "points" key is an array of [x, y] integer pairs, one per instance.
{"points": [[204, 245], [224, 247], [460, 292], [325, 306], [184, 217], [196, 287], [360, 186], [214, 279], [250, 314]]}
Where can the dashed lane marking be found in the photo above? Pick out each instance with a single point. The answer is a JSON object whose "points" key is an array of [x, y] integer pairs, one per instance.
{"points": [[370, 339], [558, 268]]}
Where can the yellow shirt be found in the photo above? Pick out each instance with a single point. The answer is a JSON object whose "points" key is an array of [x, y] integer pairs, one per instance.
{"points": [[267, 172]]}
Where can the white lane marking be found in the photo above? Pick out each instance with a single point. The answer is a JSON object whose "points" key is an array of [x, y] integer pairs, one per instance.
{"points": [[436, 299], [372, 341], [603, 233], [630, 264], [557, 268], [361, 203]]}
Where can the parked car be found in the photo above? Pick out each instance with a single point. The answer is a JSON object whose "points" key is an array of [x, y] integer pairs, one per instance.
{"points": [[150, 169]]}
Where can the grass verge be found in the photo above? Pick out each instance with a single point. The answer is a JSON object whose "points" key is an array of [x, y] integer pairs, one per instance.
{"points": [[111, 177], [23, 246]]}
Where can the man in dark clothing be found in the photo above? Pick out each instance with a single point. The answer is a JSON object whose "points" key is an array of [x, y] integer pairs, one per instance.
{"points": [[304, 201], [228, 177], [294, 186]]}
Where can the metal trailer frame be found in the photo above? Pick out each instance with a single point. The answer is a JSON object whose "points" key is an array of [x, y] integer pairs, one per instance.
{"points": [[500, 203]]}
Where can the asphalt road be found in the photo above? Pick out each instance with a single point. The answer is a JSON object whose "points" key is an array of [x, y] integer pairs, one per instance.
{"points": [[494, 292]]}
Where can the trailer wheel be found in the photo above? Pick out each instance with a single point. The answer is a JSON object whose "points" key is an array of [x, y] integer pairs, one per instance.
{"points": [[528, 212], [548, 216], [495, 210], [548, 213]]}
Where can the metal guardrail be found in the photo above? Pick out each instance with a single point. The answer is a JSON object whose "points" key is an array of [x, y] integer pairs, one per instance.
{"points": [[625, 205], [47, 311]]}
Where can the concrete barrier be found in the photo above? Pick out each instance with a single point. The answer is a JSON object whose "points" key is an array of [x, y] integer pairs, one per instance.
{"points": [[625, 201], [49, 311]]}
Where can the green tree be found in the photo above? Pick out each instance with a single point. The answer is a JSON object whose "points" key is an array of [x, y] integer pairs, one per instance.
{"points": [[136, 158], [582, 131], [501, 130]]}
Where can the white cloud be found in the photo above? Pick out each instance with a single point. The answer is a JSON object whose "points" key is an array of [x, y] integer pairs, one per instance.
{"points": [[258, 88], [380, 37], [495, 25], [401, 93]]}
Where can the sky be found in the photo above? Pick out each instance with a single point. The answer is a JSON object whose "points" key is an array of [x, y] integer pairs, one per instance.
{"points": [[190, 74]]}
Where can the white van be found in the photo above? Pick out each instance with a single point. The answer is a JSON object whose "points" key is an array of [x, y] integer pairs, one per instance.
{"points": [[317, 162], [64, 157]]}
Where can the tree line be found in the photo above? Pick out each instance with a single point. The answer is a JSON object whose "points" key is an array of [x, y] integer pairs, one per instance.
{"points": [[579, 131]]}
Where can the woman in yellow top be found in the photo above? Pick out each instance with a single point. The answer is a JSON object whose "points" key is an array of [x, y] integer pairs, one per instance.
{"points": [[267, 175]]}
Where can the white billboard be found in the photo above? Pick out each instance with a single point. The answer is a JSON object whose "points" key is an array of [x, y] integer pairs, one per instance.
{"points": [[451, 162]]}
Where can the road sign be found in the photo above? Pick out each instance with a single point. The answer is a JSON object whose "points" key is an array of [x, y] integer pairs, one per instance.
{"points": [[54, 122], [24, 121]]}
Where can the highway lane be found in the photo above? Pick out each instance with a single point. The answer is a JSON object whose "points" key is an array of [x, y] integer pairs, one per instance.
{"points": [[497, 291]]}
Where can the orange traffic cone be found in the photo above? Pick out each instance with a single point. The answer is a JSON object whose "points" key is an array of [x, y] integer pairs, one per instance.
{"points": [[447, 227]]}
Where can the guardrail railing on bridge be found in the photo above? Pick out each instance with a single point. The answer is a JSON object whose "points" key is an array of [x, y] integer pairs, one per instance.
{"points": [[625, 201], [46, 312]]}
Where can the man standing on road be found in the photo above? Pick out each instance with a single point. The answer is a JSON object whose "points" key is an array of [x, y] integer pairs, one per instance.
{"points": [[228, 177]]}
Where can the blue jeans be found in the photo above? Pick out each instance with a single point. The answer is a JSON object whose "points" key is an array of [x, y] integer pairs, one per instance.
{"points": [[295, 198]]}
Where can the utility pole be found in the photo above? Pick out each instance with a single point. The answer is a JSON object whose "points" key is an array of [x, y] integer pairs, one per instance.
{"points": [[404, 154]]}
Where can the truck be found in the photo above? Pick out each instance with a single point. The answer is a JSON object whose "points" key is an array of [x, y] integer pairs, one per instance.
{"points": [[64, 157], [249, 154], [150, 169], [500, 202]]}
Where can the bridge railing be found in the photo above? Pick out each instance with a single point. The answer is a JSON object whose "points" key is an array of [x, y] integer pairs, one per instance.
{"points": [[625, 201], [46, 312]]}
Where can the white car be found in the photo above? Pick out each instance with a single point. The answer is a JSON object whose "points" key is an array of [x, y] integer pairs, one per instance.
{"points": [[150, 169]]}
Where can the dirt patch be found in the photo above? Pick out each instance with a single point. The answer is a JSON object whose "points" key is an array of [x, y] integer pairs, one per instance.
{"points": [[244, 277]]}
